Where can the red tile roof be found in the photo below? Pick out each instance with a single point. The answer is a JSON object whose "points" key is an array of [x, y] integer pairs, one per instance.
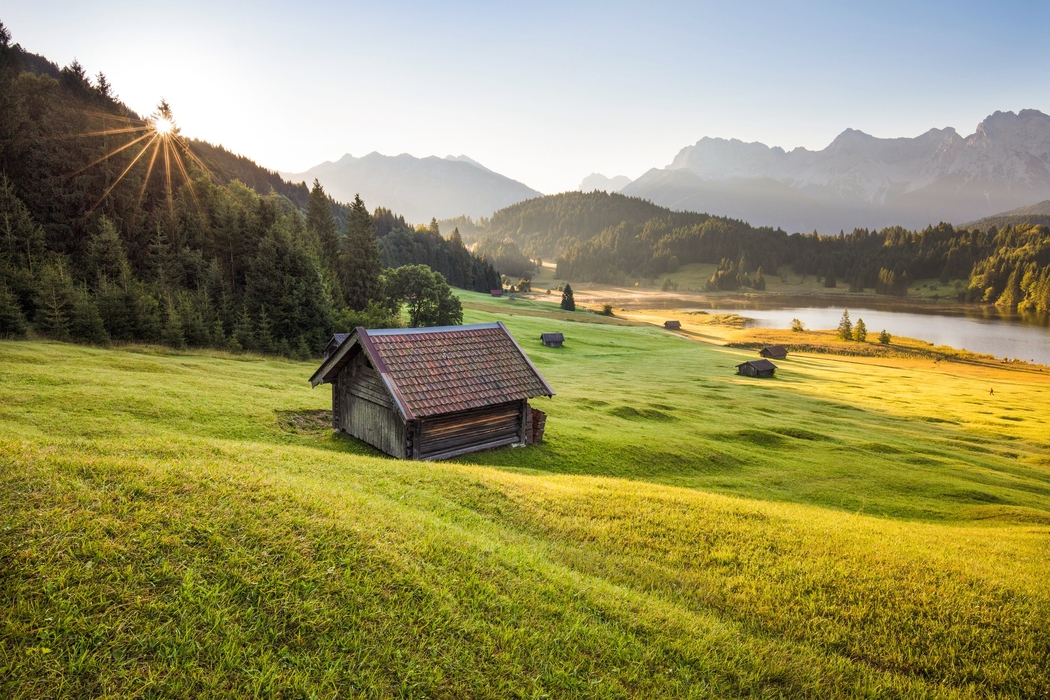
{"points": [[431, 371]]}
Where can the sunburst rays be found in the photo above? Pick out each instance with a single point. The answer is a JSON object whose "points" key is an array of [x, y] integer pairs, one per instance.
{"points": [[160, 133]]}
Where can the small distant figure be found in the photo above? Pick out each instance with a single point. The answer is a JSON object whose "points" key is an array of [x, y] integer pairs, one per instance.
{"points": [[991, 391]]}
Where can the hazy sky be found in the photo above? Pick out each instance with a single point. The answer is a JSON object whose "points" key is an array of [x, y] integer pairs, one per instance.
{"points": [[547, 93]]}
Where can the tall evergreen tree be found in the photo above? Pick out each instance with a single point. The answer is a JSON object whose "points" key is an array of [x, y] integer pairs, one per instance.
{"points": [[860, 331], [568, 302], [321, 224], [12, 320], [845, 330], [285, 287], [360, 266], [105, 253]]}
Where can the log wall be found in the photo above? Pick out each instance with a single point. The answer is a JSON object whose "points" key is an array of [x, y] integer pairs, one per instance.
{"points": [[366, 410], [454, 434]]}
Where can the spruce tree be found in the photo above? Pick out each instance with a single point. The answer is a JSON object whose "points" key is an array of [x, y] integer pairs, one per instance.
{"points": [[85, 321], [12, 321], [568, 303], [845, 330], [54, 301], [360, 265], [860, 331], [105, 253], [321, 224], [283, 280]]}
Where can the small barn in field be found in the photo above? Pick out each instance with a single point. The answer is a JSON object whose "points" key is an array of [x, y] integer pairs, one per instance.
{"points": [[773, 352], [673, 325], [434, 393], [552, 340], [756, 368], [496, 292]]}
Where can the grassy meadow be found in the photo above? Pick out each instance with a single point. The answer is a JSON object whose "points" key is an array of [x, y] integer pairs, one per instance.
{"points": [[184, 524]]}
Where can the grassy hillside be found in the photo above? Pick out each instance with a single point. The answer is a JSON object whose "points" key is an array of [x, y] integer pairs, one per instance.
{"points": [[180, 525]]}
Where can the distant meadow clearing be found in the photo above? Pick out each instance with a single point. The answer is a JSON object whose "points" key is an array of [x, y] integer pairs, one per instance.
{"points": [[181, 524]]}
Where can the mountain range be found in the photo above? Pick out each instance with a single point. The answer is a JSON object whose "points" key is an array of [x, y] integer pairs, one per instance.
{"points": [[418, 188], [597, 181], [860, 180]]}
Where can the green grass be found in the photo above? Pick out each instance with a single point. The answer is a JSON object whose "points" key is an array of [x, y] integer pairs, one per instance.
{"points": [[178, 525]]}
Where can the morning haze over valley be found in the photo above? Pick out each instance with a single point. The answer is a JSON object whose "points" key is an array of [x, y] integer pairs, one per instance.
{"points": [[715, 364]]}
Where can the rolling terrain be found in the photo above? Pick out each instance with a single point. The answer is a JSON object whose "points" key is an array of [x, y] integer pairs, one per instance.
{"points": [[179, 524]]}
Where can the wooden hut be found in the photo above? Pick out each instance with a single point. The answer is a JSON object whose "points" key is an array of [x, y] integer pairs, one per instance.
{"points": [[756, 368], [552, 340], [673, 325], [434, 393], [496, 292], [773, 352]]}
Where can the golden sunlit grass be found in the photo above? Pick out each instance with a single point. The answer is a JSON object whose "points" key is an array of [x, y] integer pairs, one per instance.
{"points": [[855, 527]]}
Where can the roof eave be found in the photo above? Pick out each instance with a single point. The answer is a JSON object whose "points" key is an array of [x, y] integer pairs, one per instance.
{"points": [[550, 391], [321, 375]]}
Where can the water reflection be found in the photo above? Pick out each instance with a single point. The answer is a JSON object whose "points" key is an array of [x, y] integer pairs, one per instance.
{"points": [[978, 329]]}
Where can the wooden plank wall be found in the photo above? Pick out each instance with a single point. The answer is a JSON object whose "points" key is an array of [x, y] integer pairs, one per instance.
{"points": [[454, 434], [367, 411]]}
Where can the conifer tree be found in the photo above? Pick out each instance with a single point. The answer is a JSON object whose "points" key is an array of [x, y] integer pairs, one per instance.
{"points": [[85, 321], [860, 331], [54, 301], [568, 303], [845, 330], [12, 320], [105, 253], [283, 280], [321, 224], [360, 265], [884, 337]]}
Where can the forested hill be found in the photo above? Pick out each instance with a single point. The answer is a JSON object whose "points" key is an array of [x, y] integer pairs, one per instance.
{"points": [[617, 239], [1034, 214], [548, 226], [116, 228], [227, 167]]}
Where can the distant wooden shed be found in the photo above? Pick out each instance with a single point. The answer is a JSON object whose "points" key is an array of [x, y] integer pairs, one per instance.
{"points": [[334, 344], [775, 352], [552, 340], [756, 368], [673, 325], [496, 292], [434, 393]]}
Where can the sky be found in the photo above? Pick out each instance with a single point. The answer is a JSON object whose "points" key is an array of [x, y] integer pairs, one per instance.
{"points": [[547, 93]]}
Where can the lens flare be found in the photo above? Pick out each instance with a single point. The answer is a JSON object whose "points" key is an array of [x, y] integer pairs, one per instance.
{"points": [[162, 135], [163, 126]]}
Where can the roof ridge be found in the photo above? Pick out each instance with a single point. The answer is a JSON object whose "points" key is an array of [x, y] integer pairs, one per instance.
{"points": [[430, 329]]}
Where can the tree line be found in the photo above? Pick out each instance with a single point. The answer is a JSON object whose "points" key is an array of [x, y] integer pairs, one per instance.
{"points": [[94, 249], [612, 238]]}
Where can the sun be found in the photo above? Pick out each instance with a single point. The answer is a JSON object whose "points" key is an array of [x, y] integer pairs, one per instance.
{"points": [[163, 142], [163, 126]]}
